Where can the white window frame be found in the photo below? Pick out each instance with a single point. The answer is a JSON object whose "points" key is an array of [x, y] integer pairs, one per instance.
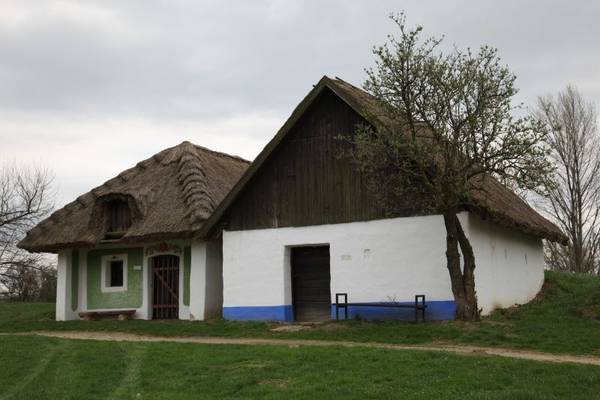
{"points": [[105, 269]]}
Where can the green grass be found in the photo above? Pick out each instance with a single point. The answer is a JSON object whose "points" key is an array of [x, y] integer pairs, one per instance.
{"points": [[48, 368], [564, 319]]}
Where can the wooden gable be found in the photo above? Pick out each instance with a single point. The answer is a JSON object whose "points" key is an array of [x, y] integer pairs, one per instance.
{"points": [[305, 181], [299, 178]]}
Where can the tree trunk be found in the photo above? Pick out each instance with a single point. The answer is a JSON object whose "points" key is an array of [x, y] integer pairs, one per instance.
{"points": [[461, 278]]}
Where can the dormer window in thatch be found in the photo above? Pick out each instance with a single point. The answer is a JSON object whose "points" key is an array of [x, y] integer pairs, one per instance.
{"points": [[117, 216]]}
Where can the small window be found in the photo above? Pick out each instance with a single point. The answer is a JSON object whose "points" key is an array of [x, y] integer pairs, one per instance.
{"points": [[118, 219], [114, 273]]}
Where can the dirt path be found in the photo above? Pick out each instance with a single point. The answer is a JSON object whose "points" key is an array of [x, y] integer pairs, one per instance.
{"points": [[463, 350]]}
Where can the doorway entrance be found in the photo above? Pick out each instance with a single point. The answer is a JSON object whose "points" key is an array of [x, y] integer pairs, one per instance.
{"points": [[311, 293], [165, 284]]}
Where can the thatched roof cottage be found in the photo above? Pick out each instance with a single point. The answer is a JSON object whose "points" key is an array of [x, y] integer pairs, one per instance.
{"points": [[128, 245]]}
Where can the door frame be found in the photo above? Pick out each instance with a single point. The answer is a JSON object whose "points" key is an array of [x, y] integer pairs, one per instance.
{"points": [[290, 259], [150, 269]]}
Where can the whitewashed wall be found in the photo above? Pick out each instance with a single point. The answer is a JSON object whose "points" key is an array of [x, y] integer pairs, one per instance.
{"points": [[64, 267], [381, 260], [510, 265], [206, 280]]}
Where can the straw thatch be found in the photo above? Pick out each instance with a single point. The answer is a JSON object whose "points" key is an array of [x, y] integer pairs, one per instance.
{"points": [[490, 201], [170, 195]]}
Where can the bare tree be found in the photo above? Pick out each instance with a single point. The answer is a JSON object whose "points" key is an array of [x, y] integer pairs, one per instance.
{"points": [[574, 198], [25, 198], [452, 128]]}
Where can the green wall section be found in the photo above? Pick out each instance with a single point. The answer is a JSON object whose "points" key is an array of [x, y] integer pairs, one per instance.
{"points": [[132, 297], [187, 265], [74, 279]]}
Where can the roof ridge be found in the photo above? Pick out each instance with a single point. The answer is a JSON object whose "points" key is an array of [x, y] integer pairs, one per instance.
{"points": [[194, 185], [219, 153]]}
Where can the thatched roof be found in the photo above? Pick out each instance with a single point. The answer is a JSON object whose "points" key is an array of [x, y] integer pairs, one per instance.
{"points": [[171, 195], [494, 202]]}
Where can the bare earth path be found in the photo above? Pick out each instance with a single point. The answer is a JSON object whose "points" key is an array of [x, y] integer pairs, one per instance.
{"points": [[463, 350]]}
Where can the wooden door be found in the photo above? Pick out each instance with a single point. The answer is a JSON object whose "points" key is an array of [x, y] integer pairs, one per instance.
{"points": [[311, 293], [165, 281]]}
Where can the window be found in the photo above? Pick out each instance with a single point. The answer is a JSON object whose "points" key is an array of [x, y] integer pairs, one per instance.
{"points": [[118, 219], [114, 273]]}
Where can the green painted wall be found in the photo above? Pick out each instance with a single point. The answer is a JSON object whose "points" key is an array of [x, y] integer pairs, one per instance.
{"points": [[132, 297], [187, 265], [74, 279]]}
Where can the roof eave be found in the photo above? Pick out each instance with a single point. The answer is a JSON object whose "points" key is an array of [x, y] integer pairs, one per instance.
{"points": [[555, 235], [127, 240]]}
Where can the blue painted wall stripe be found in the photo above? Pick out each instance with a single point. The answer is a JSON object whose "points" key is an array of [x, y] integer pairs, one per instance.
{"points": [[259, 313], [436, 310]]}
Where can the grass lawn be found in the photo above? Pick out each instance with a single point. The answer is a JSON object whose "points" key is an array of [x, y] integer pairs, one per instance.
{"points": [[48, 368], [564, 319]]}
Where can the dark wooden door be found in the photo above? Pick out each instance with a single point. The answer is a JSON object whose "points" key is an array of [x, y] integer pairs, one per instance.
{"points": [[165, 281], [311, 293]]}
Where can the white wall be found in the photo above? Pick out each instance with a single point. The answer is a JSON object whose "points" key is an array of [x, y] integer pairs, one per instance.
{"points": [[206, 280], [63, 287], [509, 265], [382, 260]]}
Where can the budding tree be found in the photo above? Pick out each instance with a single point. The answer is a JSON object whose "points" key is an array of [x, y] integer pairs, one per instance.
{"points": [[452, 126]]}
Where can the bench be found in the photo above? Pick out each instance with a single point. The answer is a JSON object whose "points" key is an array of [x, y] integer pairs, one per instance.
{"points": [[419, 306], [119, 314]]}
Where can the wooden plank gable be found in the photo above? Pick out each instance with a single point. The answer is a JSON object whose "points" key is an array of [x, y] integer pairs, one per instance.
{"points": [[306, 181]]}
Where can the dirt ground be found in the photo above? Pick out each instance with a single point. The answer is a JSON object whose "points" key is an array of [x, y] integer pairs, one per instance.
{"points": [[463, 350]]}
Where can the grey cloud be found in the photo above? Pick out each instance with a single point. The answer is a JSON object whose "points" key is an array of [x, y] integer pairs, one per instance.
{"points": [[147, 74]]}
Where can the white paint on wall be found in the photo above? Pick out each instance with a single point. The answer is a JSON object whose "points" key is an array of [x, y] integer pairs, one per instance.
{"points": [[382, 260], [184, 311], [509, 265], [197, 280], [63, 287], [206, 280], [82, 292], [145, 311]]}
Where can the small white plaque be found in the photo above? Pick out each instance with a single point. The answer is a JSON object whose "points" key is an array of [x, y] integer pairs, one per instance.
{"points": [[137, 267], [346, 257]]}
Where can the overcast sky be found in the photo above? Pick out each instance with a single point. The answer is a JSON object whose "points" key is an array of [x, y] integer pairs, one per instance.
{"points": [[88, 88]]}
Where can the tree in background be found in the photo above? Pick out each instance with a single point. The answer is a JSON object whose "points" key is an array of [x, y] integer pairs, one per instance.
{"points": [[25, 198], [573, 200], [450, 128]]}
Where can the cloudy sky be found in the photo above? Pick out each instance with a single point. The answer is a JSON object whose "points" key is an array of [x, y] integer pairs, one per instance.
{"points": [[88, 88]]}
